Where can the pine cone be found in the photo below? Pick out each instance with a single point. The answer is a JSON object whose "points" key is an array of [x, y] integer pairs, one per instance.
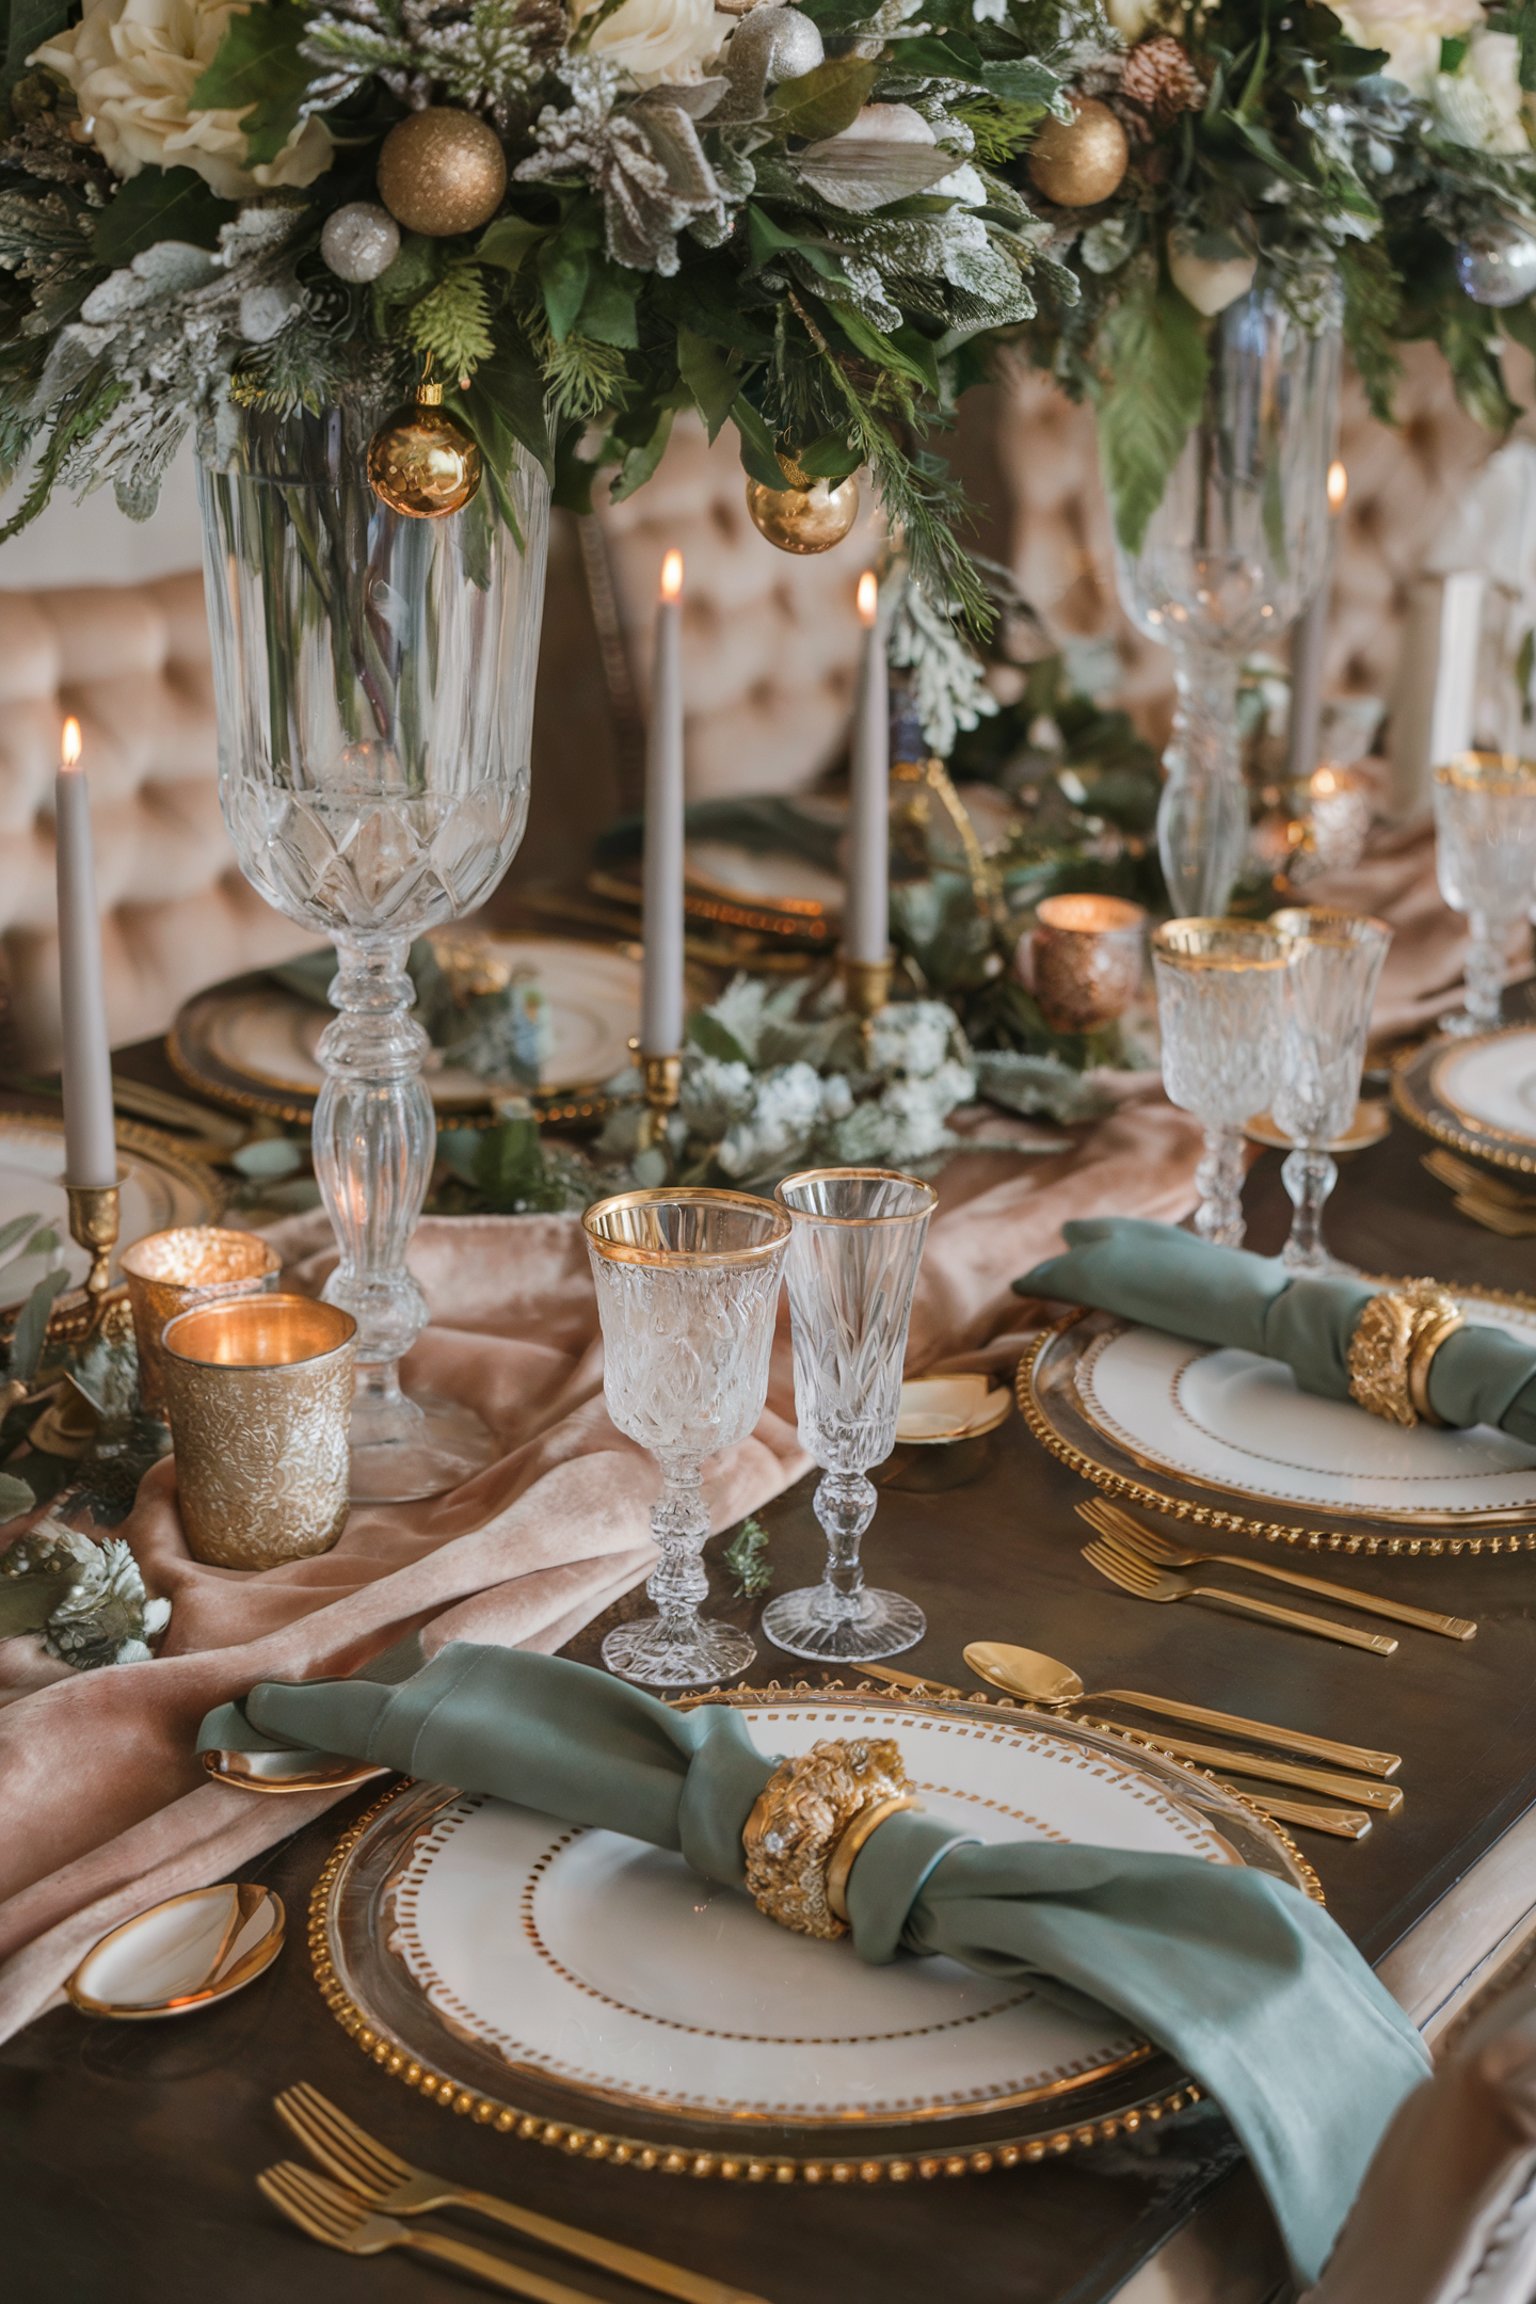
{"points": [[1159, 78]]}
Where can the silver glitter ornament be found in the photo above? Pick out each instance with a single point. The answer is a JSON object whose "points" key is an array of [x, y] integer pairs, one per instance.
{"points": [[1497, 265], [360, 241], [780, 42]]}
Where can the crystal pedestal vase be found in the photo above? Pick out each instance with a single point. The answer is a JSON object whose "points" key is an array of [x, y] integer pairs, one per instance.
{"points": [[1231, 555], [374, 678]]}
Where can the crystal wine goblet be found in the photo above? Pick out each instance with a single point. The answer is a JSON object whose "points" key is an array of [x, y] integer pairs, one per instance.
{"points": [[1220, 1005], [1330, 984], [687, 1289], [374, 679], [1485, 854], [854, 1251]]}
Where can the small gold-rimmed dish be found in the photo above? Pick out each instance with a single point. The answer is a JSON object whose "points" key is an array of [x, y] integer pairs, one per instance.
{"points": [[278, 1773], [1372, 1121], [182, 1954], [936, 1411]]}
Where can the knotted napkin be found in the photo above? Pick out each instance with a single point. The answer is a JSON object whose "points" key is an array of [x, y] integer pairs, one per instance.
{"points": [[1254, 1990], [1166, 1278]]}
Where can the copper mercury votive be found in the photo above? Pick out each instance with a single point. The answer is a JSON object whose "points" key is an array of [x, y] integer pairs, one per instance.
{"points": [[1085, 959], [169, 1272], [260, 1396]]}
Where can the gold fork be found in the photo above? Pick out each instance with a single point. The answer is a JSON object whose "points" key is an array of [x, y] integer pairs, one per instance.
{"points": [[339, 2219], [395, 2187], [1144, 1582], [1114, 1521]]}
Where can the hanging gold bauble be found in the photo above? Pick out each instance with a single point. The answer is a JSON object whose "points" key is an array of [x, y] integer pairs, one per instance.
{"points": [[804, 515], [1077, 164], [442, 171], [422, 462]]}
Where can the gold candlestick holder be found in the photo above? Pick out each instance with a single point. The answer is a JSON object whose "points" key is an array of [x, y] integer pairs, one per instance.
{"points": [[95, 1213], [866, 989], [662, 1085]]}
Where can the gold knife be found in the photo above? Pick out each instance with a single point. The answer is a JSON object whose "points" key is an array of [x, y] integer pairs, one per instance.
{"points": [[1338, 1823]]}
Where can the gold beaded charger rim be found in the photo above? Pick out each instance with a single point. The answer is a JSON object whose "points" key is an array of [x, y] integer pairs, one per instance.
{"points": [[406, 2036], [1417, 1096], [191, 1046], [1050, 1405]]}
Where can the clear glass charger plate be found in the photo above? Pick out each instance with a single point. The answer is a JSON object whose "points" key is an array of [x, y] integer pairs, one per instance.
{"points": [[1476, 1094], [254, 1045], [162, 1188], [583, 1990], [1233, 1443]]}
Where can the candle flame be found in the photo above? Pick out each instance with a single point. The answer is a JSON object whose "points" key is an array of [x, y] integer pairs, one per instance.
{"points": [[69, 745], [672, 576], [1338, 486], [868, 598]]}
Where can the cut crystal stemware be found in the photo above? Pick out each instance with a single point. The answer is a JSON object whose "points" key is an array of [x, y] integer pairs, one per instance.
{"points": [[852, 1267], [1485, 855], [1330, 986], [1220, 1006]]}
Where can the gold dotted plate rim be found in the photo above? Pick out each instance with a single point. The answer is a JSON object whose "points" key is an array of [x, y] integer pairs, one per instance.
{"points": [[1416, 1097], [555, 2114], [1117, 1472]]}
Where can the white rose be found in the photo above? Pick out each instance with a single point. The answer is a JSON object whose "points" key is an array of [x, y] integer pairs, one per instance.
{"points": [[1411, 32], [1133, 18], [1483, 105], [656, 40], [133, 65]]}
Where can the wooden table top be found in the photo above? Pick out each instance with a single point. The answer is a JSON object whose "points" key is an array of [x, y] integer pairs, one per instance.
{"points": [[127, 2152]]}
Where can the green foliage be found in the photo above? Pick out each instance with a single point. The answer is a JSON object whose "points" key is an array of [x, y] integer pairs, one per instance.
{"points": [[260, 71], [823, 102], [159, 204], [1153, 364], [28, 23], [746, 1560], [451, 325]]}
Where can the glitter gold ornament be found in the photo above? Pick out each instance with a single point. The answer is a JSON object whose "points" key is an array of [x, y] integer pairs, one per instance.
{"points": [[1080, 162], [804, 515], [442, 171], [422, 462]]}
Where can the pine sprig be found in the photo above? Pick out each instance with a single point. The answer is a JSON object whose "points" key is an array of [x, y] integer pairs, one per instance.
{"points": [[451, 325]]}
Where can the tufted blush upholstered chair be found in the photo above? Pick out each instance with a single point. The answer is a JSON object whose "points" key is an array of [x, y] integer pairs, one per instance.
{"points": [[769, 649]]}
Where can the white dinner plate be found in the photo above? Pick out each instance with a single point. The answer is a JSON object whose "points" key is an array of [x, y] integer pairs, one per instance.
{"points": [[539, 1965], [1477, 1095], [161, 1189]]}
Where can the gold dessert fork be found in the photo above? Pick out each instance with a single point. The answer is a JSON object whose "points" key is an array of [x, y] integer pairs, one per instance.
{"points": [[338, 2219], [395, 2187], [1142, 1581], [1114, 1521]]}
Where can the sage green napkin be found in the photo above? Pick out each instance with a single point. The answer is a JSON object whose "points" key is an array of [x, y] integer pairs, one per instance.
{"points": [[1249, 1985], [1166, 1278]]}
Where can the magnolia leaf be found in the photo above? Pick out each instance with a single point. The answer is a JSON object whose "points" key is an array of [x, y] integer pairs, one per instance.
{"points": [[709, 376], [759, 455], [1154, 364], [159, 204], [829, 458], [259, 72], [32, 1326], [16, 1497], [642, 458], [27, 1602], [823, 102], [716, 1039], [863, 173], [508, 241], [29, 24], [608, 308]]}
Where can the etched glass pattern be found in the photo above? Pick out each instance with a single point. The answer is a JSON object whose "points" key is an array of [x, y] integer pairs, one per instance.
{"points": [[1231, 555], [687, 1292], [1220, 1006], [1330, 986], [374, 678], [1485, 854], [852, 1267]]}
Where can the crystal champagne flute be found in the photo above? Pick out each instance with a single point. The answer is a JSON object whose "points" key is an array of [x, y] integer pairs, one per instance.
{"points": [[1330, 985], [854, 1251], [1220, 1005], [687, 1289], [1485, 854]]}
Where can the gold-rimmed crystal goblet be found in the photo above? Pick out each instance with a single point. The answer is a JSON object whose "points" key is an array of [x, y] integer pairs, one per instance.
{"points": [[852, 1267], [1485, 855], [1221, 1010], [1330, 986], [687, 1288]]}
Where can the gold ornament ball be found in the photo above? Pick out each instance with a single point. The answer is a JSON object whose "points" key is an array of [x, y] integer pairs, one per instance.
{"points": [[423, 463], [1077, 164], [442, 171], [804, 516]]}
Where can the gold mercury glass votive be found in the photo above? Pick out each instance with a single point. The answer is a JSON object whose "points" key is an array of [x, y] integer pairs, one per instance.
{"points": [[1086, 959], [260, 1397], [170, 1272]]}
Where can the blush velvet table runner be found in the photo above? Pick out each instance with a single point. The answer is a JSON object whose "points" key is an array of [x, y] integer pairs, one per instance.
{"points": [[106, 1807]]}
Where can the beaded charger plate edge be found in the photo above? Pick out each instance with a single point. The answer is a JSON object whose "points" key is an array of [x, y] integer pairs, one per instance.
{"points": [[1416, 1095], [544, 2110], [1060, 1426]]}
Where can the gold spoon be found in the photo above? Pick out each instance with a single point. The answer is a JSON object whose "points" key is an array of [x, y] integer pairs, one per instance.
{"points": [[1054, 1686]]}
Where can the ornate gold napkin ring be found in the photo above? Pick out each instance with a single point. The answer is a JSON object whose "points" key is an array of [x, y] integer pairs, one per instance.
{"points": [[810, 1821], [1394, 1343]]}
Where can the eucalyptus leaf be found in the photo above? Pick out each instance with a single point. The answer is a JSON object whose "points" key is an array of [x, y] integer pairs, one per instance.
{"points": [[823, 102], [867, 173], [14, 1232], [16, 1497], [267, 1157], [27, 1602], [32, 1326]]}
